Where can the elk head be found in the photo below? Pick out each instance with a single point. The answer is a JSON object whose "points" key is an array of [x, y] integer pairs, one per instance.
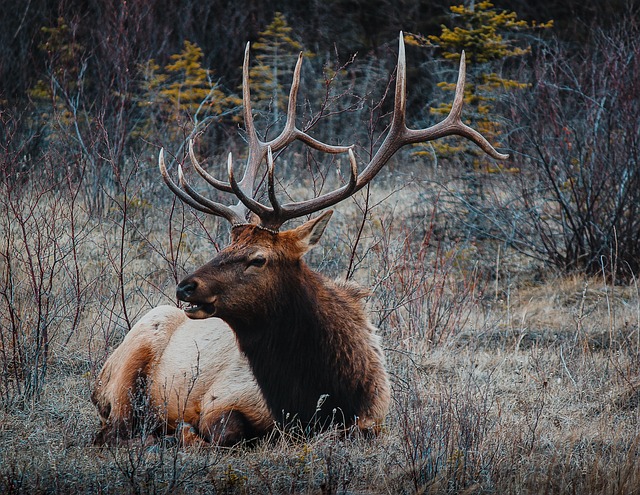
{"points": [[256, 271]]}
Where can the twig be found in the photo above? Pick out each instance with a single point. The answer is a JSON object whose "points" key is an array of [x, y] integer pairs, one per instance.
{"points": [[564, 365]]}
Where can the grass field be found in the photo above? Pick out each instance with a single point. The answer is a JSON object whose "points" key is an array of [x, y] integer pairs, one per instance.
{"points": [[507, 377]]}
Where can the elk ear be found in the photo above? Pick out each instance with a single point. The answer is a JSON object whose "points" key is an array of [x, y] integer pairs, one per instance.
{"points": [[309, 233]]}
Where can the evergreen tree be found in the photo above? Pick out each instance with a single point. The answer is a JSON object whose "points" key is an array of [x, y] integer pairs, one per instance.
{"points": [[485, 33], [184, 90], [65, 67], [276, 55]]}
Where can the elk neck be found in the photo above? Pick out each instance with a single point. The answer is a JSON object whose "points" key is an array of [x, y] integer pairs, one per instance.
{"points": [[315, 342]]}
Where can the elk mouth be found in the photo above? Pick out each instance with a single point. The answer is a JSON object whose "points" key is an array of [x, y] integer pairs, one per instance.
{"points": [[195, 308], [199, 310]]}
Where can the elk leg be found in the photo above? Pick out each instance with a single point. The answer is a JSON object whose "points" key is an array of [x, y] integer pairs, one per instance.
{"points": [[189, 437], [226, 428]]}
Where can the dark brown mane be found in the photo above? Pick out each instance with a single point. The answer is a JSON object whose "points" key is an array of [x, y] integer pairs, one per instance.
{"points": [[313, 357]]}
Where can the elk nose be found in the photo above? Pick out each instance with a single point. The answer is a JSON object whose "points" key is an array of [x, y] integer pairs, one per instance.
{"points": [[185, 290]]}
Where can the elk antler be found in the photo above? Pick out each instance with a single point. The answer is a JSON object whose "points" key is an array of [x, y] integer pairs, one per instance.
{"points": [[275, 215]]}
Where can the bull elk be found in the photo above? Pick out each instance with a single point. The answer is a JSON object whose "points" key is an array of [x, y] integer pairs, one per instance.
{"points": [[263, 337]]}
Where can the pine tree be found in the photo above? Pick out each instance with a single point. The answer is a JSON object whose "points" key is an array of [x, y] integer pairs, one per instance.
{"points": [[276, 55], [485, 34], [184, 90], [65, 71]]}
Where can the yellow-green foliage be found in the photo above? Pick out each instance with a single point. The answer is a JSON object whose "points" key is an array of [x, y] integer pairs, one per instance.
{"points": [[276, 54], [233, 478], [63, 54], [480, 30], [184, 89]]}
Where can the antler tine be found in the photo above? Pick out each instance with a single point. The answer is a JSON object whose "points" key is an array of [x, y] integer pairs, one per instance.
{"points": [[271, 185], [246, 98], [218, 184], [459, 127], [250, 203], [290, 133], [256, 152], [175, 189], [298, 209], [192, 198], [207, 203], [453, 124], [275, 216], [458, 99], [400, 95], [260, 150]]}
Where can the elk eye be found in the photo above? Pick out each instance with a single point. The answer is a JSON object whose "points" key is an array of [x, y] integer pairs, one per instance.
{"points": [[257, 261]]}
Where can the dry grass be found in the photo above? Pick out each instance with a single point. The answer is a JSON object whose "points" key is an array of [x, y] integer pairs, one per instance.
{"points": [[499, 386]]}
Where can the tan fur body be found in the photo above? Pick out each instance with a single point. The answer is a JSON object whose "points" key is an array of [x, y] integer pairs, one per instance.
{"points": [[184, 371]]}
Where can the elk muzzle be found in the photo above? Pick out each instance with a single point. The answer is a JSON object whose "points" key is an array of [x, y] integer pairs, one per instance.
{"points": [[196, 308]]}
